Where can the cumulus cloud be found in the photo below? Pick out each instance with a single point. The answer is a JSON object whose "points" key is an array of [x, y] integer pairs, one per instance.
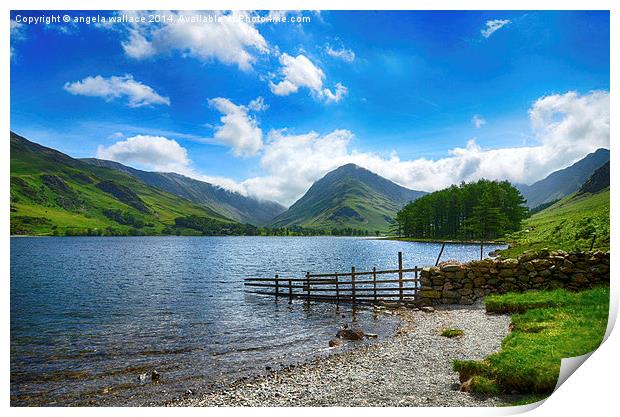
{"points": [[156, 153], [299, 71], [230, 40], [334, 97], [492, 26], [239, 129], [345, 54], [567, 127], [17, 33], [478, 121], [136, 93]]}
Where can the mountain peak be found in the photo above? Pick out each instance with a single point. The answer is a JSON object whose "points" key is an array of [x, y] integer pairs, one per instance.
{"points": [[349, 196]]}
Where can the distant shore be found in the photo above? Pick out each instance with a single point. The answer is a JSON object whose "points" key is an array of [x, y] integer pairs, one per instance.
{"points": [[421, 240], [414, 368]]}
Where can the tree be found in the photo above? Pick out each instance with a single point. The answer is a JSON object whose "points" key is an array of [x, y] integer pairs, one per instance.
{"points": [[480, 210]]}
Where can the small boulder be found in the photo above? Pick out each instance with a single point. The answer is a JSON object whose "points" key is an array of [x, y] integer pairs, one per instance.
{"points": [[155, 376], [466, 386], [350, 334], [427, 309], [335, 342]]}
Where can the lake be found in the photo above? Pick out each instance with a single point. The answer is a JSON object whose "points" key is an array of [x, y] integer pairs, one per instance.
{"points": [[89, 315]]}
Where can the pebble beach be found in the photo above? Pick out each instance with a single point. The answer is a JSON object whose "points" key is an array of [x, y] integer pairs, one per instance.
{"points": [[413, 368]]}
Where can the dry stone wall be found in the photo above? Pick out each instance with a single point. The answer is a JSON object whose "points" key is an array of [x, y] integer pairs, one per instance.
{"points": [[454, 283]]}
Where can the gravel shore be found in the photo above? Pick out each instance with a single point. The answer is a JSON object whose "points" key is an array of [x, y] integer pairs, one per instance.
{"points": [[414, 368]]}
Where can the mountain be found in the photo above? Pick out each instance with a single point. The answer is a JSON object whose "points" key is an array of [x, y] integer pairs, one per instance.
{"points": [[348, 197], [597, 182], [563, 182], [52, 193], [228, 203]]}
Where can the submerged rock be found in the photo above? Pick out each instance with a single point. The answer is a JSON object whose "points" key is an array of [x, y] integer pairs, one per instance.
{"points": [[350, 334], [335, 342]]}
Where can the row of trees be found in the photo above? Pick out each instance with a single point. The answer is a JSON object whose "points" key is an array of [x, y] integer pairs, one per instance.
{"points": [[480, 210], [208, 226]]}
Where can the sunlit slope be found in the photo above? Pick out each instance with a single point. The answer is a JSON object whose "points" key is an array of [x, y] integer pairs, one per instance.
{"points": [[52, 193], [571, 223], [348, 197]]}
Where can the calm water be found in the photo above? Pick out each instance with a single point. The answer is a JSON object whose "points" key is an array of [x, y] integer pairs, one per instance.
{"points": [[89, 315]]}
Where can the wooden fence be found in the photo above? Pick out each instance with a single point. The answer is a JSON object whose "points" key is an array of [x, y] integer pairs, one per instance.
{"points": [[355, 287]]}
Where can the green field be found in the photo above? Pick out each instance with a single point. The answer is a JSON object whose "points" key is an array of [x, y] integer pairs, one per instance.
{"points": [[570, 224], [546, 327]]}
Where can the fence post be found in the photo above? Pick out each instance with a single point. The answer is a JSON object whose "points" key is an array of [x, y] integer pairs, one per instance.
{"points": [[290, 291], [374, 282], [277, 286], [308, 287], [440, 253], [416, 284], [400, 275], [481, 248], [352, 285], [337, 289]]}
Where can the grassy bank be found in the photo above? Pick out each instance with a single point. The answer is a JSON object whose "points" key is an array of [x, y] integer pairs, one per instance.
{"points": [[546, 327], [568, 224]]}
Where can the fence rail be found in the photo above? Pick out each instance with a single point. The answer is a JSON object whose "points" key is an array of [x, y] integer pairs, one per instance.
{"points": [[344, 286]]}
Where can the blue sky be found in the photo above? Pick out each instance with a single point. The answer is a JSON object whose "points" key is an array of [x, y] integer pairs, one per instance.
{"points": [[423, 98]]}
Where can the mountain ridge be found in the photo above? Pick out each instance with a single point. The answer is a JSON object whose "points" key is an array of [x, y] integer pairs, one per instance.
{"points": [[348, 197], [228, 203], [565, 181], [53, 193]]}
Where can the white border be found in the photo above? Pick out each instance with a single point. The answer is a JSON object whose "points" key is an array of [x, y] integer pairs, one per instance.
{"points": [[591, 391]]}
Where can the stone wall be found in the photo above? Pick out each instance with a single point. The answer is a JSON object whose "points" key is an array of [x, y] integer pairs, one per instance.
{"points": [[454, 283]]}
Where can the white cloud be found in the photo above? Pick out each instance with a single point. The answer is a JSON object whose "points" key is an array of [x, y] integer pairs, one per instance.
{"points": [[16, 28], [136, 93], [258, 104], [156, 153], [299, 71], [230, 40], [478, 121], [493, 25], [335, 97], [17, 33], [238, 130], [343, 53], [567, 127]]}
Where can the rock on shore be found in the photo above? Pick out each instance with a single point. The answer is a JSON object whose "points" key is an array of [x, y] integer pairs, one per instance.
{"points": [[412, 369]]}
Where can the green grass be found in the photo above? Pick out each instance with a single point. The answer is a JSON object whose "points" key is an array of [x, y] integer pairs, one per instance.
{"points": [[72, 202], [450, 333], [549, 326], [568, 224], [484, 386]]}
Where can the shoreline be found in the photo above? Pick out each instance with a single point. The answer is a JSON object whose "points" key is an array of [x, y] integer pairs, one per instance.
{"points": [[419, 240], [411, 368]]}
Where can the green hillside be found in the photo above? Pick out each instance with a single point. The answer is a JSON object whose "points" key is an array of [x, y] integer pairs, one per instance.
{"points": [[348, 197], [228, 203], [54, 194], [565, 181], [568, 224]]}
